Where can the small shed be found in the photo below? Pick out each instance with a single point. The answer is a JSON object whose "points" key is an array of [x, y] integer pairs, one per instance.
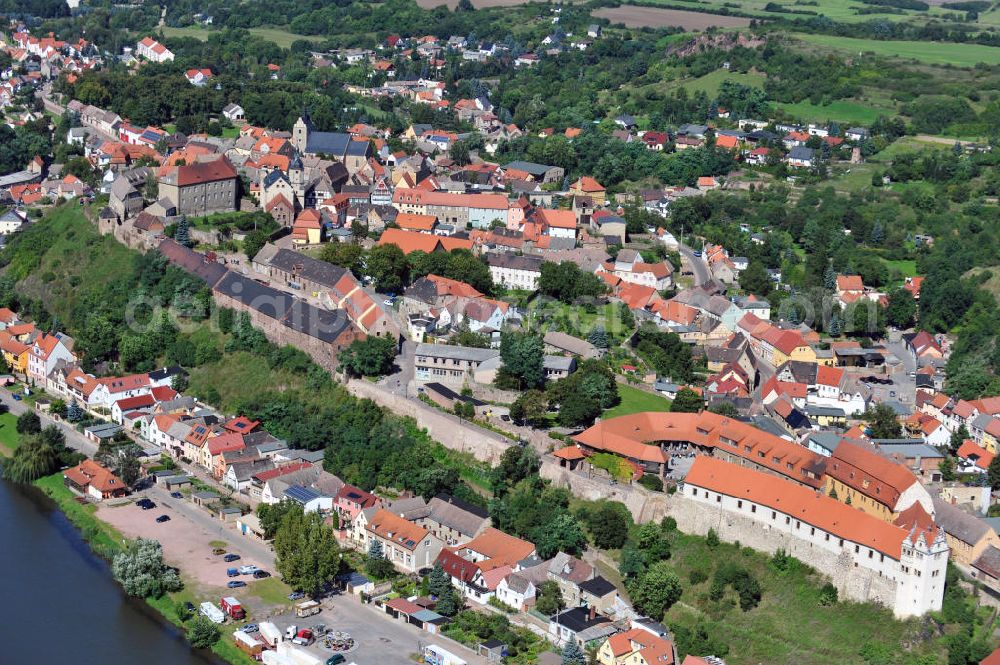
{"points": [[230, 514], [355, 583], [249, 525], [102, 432], [173, 483], [493, 650], [429, 620], [204, 498]]}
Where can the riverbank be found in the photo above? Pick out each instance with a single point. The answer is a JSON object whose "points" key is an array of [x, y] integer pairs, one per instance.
{"points": [[105, 541]]}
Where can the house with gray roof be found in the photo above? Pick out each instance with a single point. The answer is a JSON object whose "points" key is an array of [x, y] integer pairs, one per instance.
{"points": [[454, 521], [967, 535]]}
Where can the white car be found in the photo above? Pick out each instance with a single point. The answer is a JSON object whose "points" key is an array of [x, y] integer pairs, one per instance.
{"points": [[248, 570]]}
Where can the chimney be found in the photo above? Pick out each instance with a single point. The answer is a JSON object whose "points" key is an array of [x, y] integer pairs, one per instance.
{"points": [[593, 612]]}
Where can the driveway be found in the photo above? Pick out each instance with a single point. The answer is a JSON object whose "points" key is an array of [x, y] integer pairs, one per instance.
{"points": [[697, 266]]}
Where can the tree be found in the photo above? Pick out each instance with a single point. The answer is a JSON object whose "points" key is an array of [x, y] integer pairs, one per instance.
{"points": [[656, 591], [271, 515], [141, 571], [376, 564], [562, 534], [344, 254], [993, 473], [522, 355], [464, 410], [608, 524], [459, 153], [255, 240], [307, 554], [439, 583], [202, 633], [549, 598], [598, 337], [28, 423], [387, 267], [32, 460], [73, 412], [755, 279], [958, 437], [687, 401], [448, 603], [947, 469], [573, 655], [531, 407], [883, 422], [372, 356], [182, 235], [830, 278], [901, 309]]}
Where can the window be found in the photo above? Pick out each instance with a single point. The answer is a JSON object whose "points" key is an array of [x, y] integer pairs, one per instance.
{"points": [[739, 504], [857, 549], [753, 508], [718, 499]]}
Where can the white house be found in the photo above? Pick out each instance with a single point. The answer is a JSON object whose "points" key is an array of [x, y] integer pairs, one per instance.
{"points": [[234, 113], [515, 272], [152, 50]]}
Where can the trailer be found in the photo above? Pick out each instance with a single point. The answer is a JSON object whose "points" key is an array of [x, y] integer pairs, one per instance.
{"points": [[286, 654], [435, 655], [249, 645], [232, 607], [307, 609], [214, 614], [270, 634]]}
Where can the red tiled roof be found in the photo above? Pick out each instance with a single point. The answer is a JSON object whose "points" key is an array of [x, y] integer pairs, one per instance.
{"points": [[410, 241], [801, 503], [870, 474], [202, 172]]}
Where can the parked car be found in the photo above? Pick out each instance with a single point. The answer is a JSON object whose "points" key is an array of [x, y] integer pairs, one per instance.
{"points": [[145, 504], [163, 518], [296, 595], [231, 557], [177, 495], [236, 584], [232, 572], [248, 570], [189, 606], [17, 398], [249, 628], [218, 551], [336, 659], [260, 574]]}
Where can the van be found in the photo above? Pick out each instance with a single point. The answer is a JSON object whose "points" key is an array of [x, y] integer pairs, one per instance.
{"points": [[290, 632]]}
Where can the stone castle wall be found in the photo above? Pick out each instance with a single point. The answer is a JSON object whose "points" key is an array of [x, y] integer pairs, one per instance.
{"points": [[852, 582]]}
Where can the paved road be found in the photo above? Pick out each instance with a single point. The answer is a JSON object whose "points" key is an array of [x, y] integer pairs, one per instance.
{"points": [[697, 266], [74, 439]]}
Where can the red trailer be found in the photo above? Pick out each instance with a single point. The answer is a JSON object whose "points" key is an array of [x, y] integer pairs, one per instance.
{"points": [[232, 607]]}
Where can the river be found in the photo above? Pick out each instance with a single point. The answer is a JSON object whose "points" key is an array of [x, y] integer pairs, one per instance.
{"points": [[60, 605]]}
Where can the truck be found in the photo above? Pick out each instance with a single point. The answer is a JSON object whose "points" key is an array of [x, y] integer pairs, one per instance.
{"points": [[435, 655], [214, 614], [232, 607], [307, 608], [304, 637], [270, 634]]}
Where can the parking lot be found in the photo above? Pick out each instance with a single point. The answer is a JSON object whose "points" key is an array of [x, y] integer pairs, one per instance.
{"points": [[379, 639]]}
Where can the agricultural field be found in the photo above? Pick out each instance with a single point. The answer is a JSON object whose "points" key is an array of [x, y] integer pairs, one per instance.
{"points": [[281, 37], [846, 11], [938, 53], [478, 4], [633, 16]]}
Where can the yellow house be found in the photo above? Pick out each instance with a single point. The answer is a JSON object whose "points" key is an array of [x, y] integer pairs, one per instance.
{"points": [[636, 647], [15, 353], [587, 186], [967, 536], [308, 228]]}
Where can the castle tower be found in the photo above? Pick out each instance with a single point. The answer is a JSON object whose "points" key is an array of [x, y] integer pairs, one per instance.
{"points": [[300, 132], [922, 566]]}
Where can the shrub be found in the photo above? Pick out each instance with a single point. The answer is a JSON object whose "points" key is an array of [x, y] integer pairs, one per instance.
{"points": [[712, 539], [651, 482]]}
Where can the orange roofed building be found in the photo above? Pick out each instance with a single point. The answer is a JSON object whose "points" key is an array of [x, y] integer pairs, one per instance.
{"points": [[94, 481], [408, 546], [705, 433], [867, 559], [477, 567], [589, 187], [411, 241], [873, 484]]}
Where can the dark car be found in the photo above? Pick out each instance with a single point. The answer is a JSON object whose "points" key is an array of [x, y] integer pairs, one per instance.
{"points": [[236, 584], [231, 557], [145, 504], [163, 518], [177, 495], [189, 606], [17, 398], [232, 572], [261, 574], [335, 659]]}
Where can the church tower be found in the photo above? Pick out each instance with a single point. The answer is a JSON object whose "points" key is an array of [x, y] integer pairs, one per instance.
{"points": [[300, 132], [297, 178]]}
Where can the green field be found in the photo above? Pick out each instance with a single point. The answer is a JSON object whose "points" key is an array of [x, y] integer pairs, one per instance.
{"points": [[906, 268], [636, 401], [933, 53], [281, 37], [837, 10], [9, 438], [709, 83], [843, 110]]}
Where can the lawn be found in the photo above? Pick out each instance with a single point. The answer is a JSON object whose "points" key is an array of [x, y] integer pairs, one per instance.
{"points": [[636, 401], [934, 53], [906, 268], [709, 83], [9, 438], [844, 110], [279, 36], [790, 625]]}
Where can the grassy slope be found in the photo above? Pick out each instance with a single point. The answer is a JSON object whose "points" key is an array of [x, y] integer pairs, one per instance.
{"points": [[636, 401], [789, 626], [103, 539], [709, 83], [937, 53], [282, 38], [9, 437], [77, 259], [844, 110]]}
